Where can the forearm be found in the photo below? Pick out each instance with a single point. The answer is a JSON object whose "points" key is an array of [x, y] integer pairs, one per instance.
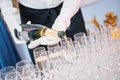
{"points": [[70, 8]]}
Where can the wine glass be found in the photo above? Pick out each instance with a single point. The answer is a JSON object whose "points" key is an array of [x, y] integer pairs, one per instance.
{"points": [[44, 59], [1, 77], [13, 76], [36, 75], [37, 51], [81, 37], [60, 56], [66, 42], [52, 47], [4, 71], [22, 64], [41, 58]]}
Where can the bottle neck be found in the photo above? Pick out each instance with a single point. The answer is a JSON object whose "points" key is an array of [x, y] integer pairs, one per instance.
{"points": [[61, 34]]}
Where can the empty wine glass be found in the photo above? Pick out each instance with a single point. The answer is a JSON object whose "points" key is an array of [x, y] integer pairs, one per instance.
{"points": [[21, 64], [36, 75], [66, 42], [27, 71], [13, 76], [81, 37], [52, 47], [44, 59], [4, 71]]}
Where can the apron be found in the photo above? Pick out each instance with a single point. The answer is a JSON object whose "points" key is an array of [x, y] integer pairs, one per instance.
{"points": [[47, 17]]}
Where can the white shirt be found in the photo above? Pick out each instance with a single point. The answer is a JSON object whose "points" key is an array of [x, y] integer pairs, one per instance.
{"points": [[40, 4]]}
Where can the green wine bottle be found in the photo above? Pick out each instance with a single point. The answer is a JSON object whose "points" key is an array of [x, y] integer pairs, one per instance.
{"points": [[32, 32]]}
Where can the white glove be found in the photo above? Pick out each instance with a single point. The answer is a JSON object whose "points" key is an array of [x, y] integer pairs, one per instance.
{"points": [[61, 24], [46, 40]]}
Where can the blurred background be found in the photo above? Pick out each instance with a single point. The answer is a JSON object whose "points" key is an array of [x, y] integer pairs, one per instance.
{"points": [[99, 9]]}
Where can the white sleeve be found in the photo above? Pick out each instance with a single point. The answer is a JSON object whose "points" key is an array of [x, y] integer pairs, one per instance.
{"points": [[68, 10]]}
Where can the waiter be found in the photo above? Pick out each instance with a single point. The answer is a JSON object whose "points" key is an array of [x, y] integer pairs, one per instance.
{"points": [[61, 15]]}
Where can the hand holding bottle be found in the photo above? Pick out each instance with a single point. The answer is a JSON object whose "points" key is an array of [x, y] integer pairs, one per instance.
{"points": [[39, 35], [61, 23], [45, 40]]}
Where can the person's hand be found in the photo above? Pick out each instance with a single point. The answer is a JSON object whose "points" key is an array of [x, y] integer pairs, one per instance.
{"points": [[61, 24], [46, 40]]}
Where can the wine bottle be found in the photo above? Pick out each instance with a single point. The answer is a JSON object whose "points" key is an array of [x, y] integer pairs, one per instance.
{"points": [[31, 32]]}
